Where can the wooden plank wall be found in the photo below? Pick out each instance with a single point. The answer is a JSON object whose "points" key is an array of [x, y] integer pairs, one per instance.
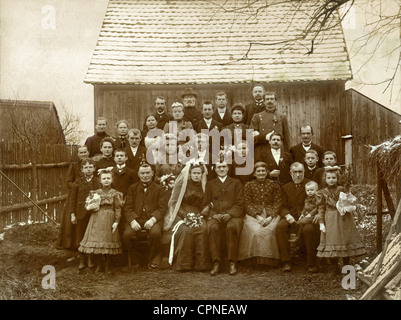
{"points": [[15, 160], [371, 124], [332, 111], [315, 103]]}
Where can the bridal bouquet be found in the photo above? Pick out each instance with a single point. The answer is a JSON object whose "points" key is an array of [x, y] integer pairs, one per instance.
{"points": [[193, 220]]}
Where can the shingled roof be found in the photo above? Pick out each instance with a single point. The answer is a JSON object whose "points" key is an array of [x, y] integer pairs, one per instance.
{"points": [[209, 42]]}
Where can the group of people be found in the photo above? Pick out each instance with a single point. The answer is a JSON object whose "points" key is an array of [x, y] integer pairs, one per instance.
{"points": [[190, 202]]}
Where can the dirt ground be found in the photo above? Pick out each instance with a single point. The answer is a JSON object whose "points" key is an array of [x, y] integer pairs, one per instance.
{"points": [[26, 249]]}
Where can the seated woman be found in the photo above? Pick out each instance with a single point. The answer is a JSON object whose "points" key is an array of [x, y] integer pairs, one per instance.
{"points": [[189, 249], [262, 207]]}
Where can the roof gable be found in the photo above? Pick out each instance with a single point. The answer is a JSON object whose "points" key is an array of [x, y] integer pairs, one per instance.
{"points": [[183, 42]]}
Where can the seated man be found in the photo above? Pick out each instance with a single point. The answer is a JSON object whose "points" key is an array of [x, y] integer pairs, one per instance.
{"points": [[294, 196], [144, 211], [224, 196]]}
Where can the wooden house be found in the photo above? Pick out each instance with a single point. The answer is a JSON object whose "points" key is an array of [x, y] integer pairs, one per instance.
{"points": [[36, 121], [150, 48]]}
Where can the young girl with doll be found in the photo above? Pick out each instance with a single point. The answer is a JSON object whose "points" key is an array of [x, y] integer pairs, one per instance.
{"points": [[105, 206], [339, 237]]}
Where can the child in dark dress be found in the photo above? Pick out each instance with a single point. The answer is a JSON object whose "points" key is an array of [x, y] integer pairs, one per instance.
{"points": [[79, 215]]}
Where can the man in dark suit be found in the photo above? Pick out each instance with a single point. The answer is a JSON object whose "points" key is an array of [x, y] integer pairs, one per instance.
{"points": [[144, 211], [294, 196], [161, 115], [299, 150], [191, 113], [224, 196], [278, 161], [207, 122], [135, 152], [255, 106], [222, 113]]}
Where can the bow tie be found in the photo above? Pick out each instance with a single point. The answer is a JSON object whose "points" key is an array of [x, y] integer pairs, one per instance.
{"points": [[259, 103], [307, 145], [122, 137]]}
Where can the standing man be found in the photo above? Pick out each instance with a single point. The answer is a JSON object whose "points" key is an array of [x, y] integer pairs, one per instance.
{"points": [[270, 120], [278, 162], [207, 122], [257, 105], [161, 115], [191, 114], [136, 153], [222, 113], [294, 196], [298, 151], [144, 210], [225, 197], [93, 142]]}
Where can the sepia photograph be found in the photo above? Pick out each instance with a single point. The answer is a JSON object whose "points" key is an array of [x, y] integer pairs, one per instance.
{"points": [[199, 156]]}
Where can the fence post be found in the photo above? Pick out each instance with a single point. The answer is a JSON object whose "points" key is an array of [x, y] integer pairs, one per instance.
{"points": [[379, 215], [34, 194]]}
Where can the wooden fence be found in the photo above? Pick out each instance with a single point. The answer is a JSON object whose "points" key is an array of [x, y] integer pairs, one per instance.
{"points": [[38, 173]]}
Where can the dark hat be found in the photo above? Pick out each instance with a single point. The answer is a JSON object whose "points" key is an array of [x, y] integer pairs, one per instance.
{"points": [[188, 92]]}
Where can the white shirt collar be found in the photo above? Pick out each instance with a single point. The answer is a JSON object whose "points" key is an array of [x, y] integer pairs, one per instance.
{"points": [[134, 150], [208, 121], [276, 154], [222, 179]]}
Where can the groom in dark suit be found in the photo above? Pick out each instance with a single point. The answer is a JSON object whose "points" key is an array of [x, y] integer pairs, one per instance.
{"points": [[294, 196], [207, 122], [224, 196], [144, 211]]}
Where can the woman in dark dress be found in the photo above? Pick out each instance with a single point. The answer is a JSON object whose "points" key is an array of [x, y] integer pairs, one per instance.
{"points": [[189, 249], [66, 235]]}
